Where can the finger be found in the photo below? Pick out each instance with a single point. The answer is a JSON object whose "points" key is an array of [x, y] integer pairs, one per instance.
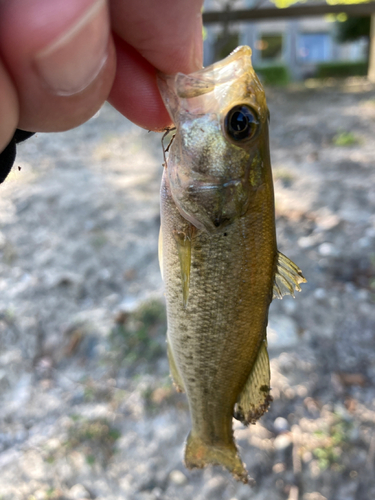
{"points": [[166, 36], [61, 58], [8, 108], [134, 92], [168, 33]]}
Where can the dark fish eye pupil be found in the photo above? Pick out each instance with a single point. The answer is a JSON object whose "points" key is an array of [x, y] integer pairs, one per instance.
{"points": [[241, 123], [238, 121]]}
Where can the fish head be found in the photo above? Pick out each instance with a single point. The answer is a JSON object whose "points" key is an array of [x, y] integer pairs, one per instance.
{"points": [[218, 159]]}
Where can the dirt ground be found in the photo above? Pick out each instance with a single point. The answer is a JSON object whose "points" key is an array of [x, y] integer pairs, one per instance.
{"points": [[88, 409]]}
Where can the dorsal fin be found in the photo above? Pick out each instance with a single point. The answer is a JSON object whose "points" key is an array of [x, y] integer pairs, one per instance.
{"points": [[288, 277]]}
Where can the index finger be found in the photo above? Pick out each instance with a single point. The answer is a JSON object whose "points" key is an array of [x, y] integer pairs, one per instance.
{"points": [[168, 33], [165, 36]]}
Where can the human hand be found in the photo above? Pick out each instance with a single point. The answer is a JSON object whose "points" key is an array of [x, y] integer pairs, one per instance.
{"points": [[58, 59]]}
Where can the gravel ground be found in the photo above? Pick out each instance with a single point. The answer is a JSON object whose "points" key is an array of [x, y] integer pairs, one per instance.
{"points": [[88, 409]]}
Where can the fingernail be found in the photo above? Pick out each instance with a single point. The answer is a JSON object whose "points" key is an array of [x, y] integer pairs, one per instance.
{"points": [[74, 59]]}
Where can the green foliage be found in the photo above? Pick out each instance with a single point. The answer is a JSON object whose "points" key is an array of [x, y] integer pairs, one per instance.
{"points": [[95, 438], [333, 442], [345, 139], [353, 28], [341, 69], [90, 459], [140, 336], [282, 4], [276, 74], [271, 47]]}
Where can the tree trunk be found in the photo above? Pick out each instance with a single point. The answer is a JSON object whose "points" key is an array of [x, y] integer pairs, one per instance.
{"points": [[371, 60]]}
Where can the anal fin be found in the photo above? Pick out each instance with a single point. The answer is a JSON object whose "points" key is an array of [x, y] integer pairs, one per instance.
{"points": [[255, 397], [288, 277], [176, 377]]}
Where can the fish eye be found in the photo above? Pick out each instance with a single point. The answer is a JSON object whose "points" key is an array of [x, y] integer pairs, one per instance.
{"points": [[241, 123]]}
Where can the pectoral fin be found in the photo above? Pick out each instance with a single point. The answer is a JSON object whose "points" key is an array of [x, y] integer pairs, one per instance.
{"points": [[288, 277], [255, 397], [183, 240], [176, 377]]}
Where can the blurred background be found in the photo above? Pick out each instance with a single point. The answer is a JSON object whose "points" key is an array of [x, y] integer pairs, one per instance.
{"points": [[88, 410]]}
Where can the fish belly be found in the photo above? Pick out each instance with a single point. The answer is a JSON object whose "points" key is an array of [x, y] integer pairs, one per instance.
{"points": [[215, 338]]}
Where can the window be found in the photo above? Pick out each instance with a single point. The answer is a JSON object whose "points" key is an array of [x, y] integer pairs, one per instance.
{"points": [[225, 44], [314, 47], [270, 47]]}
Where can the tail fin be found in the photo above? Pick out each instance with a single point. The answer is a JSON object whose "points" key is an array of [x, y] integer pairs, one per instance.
{"points": [[199, 454]]}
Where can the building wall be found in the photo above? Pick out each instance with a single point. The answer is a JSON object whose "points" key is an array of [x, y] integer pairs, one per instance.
{"points": [[305, 42]]}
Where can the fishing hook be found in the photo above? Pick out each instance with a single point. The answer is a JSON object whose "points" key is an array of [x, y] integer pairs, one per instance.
{"points": [[166, 150]]}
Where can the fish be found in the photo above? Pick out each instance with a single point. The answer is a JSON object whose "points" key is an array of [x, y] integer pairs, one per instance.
{"points": [[218, 253]]}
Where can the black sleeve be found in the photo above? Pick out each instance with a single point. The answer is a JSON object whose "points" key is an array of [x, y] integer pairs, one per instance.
{"points": [[8, 156]]}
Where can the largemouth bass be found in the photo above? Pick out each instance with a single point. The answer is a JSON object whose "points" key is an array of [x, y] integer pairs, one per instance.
{"points": [[218, 253]]}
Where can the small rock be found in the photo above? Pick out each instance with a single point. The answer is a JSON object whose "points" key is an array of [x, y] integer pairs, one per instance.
{"points": [[278, 468], [243, 492], [128, 305], [347, 491], [289, 305], [305, 242], [320, 294], [313, 496], [178, 478], [282, 442], [78, 492], [157, 492], [282, 332], [311, 240], [281, 424], [2, 241], [327, 249], [364, 242], [370, 232], [39, 495], [350, 288], [307, 457], [363, 295], [4, 381], [326, 222], [214, 488]]}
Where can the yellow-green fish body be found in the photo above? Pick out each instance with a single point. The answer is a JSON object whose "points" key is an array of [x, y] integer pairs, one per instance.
{"points": [[219, 257]]}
